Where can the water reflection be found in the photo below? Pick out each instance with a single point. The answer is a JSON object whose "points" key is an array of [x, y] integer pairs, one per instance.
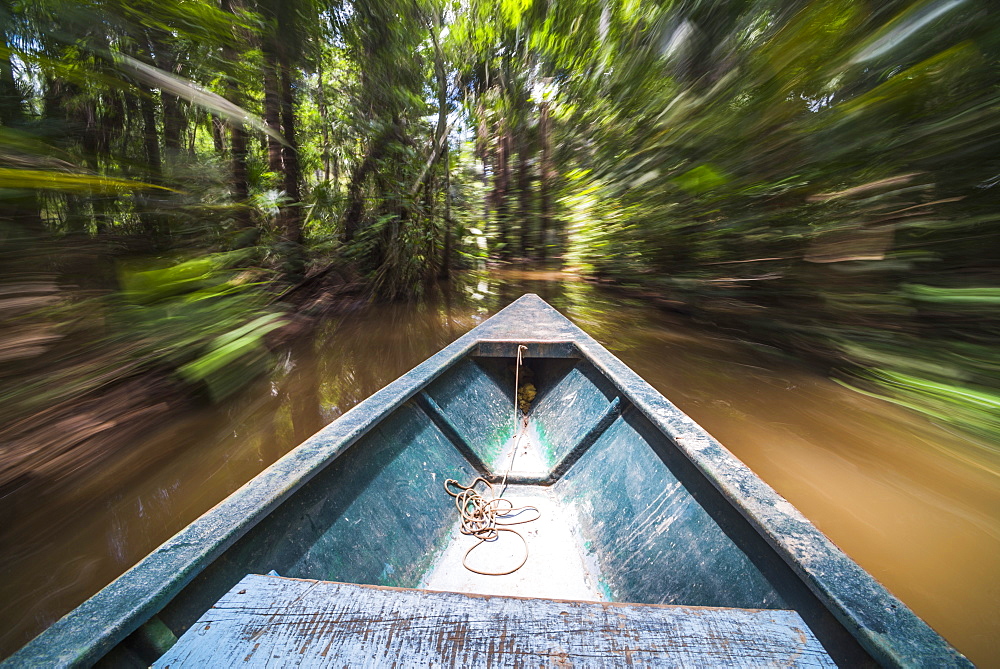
{"points": [[902, 496]]}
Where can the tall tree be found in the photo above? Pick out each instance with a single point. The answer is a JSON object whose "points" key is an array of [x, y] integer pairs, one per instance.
{"points": [[240, 185], [545, 175], [285, 48], [383, 39], [23, 210]]}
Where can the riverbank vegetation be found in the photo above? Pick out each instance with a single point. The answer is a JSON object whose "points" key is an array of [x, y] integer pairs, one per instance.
{"points": [[181, 180]]}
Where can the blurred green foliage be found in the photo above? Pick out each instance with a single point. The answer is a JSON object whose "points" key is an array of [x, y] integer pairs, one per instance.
{"points": [[197, 317], [818, 174]]}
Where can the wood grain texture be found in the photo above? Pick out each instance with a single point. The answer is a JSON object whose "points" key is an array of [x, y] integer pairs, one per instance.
{"points": [[281, 622]]}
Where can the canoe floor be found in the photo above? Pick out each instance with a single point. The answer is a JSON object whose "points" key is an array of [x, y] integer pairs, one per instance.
{"points": [[557, 567], [281, 622]]}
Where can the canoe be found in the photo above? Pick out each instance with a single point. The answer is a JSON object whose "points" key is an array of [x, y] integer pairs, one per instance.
{"points": [[647, 541]]}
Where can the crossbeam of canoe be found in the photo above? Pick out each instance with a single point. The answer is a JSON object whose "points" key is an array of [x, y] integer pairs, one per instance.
{"points": [[272, 621]]}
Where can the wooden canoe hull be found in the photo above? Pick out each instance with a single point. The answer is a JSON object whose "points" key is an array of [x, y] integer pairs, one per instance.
{"points": [[664, 513]]}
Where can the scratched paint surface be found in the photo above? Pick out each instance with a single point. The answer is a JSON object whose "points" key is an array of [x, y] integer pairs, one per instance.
{"points": [[654, 541], [276, 622], [581, 391], [480, 406], [376, 515], [555, 568], [384, 536]]}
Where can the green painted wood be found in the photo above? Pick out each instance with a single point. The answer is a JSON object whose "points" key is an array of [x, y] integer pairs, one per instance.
{"points": [[604, 421], [478, 405], [536, 349], [654, 541], [399, 515], [569, 407], [440, 418], [377, 514], [279, 622]]}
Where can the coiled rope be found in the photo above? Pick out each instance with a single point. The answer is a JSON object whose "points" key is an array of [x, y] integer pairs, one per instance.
{"points": [[481, 516], [481, 519]]}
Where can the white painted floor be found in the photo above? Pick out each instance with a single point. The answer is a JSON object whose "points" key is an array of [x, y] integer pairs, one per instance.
{"points": [[555, 569], [528, 461]]}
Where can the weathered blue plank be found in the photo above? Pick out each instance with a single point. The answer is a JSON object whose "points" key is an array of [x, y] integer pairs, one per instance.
{"points": [[279, 622]]}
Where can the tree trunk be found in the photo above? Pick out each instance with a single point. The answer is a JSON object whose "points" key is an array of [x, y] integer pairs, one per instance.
{"points": [[272, 112], [11, 99], [151, 222], [174, 122], [446, 251], [150, 135], [57, 105], [440, 137], [501, 187], [482, 148], [291, 213], [22, 210], [354, 210], [172, 126], [102, 131], [324, 124], [290, 216], [545, 181], [442, 144], [524, 196], [239, 184], [355, 191], [430, 212]]}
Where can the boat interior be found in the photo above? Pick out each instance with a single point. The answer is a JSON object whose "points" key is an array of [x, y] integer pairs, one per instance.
{"points": [[618, 513]]}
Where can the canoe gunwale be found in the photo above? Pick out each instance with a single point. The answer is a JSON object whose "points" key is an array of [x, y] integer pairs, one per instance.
{"points": [[881, 623]]}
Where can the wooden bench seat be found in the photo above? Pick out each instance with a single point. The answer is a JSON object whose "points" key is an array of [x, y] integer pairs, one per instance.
{"points": [[283, 622]]}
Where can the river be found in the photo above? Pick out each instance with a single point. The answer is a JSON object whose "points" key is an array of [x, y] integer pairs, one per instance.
{"points": [[916, 505]]}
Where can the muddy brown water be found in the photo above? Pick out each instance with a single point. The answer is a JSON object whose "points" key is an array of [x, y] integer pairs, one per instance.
{"points": [[916, 505]]}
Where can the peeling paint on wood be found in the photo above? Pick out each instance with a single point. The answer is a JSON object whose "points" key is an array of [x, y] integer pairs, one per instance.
{"points": [[279, 622]]}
